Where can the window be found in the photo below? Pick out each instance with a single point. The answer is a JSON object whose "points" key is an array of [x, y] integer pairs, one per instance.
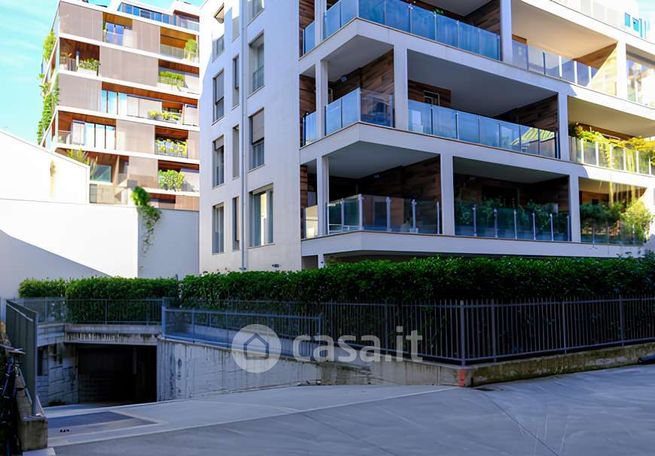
{"points": [[235, 152], [236, 224], [628, 20], [235, 81], [218, 229], [219, 97], [256, 7], [218, 46], [93, 135], [262, 218], [257, 140], [219, 162], [101, 173], [257, 63]]}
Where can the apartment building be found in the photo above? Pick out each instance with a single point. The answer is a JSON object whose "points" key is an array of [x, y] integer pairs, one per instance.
{"points": [[352, 129], [125, 79]]}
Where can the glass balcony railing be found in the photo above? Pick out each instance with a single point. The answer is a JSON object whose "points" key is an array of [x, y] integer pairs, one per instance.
{"points": [[258, 78], [543, 62], [617, 233], [376, 213], [178, 53], [309, 129], [610, 156], [359, 106], [126, 38], [170, 19], [171, 148], [309, 38], [463, 126], [482, 220], [415, 20]]}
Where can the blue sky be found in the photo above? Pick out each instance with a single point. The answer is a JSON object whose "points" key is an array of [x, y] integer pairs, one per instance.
{"points": [[23, 26]]}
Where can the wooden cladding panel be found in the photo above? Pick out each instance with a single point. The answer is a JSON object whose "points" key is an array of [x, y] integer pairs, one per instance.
{"points": [[597, 58], [542, 114], [307, 95], [486, 17], [304, 186], [306, 10], [416, 92], [376, 76]]}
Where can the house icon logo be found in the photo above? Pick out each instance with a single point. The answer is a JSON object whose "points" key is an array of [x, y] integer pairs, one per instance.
{"points": [[256, 348]]}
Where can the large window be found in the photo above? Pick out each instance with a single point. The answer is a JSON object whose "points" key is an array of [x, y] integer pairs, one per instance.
{"points": [[219, 96], [641, 80], [219, 162], [218, 229], [101, 173], [235, 152], [261, 204], [93, 135], [256, 7], [113, 102], [235, 81], [236, 224], [257, 140], [257, 64]]}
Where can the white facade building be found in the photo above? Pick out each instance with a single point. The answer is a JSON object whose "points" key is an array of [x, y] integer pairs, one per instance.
{"points": [[375, 128]]}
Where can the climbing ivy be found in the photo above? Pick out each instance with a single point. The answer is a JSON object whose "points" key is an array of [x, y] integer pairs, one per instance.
{"points": [[149, 214]]}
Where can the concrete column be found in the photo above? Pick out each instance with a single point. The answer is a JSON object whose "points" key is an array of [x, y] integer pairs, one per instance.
{"points": [[321, 96], [400, 89], [621, 70], [447, 195], [574, 208], [322, 193], [319, 11], [563, 126], [506, 30]]}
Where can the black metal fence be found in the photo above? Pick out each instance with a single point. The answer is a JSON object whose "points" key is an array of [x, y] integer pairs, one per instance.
{"points": [[467, 331], [22, 332], [96, 311]]}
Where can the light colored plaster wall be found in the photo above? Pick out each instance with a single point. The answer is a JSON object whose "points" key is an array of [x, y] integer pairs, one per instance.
{"points": [[29, 172]]}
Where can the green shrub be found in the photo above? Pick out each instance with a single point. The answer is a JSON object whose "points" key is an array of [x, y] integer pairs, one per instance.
{"points": [[432, 279], [171, 180], [99, 288], [33, 288], [416, 281]]}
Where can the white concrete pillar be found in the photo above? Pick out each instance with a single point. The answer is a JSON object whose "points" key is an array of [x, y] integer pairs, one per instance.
{"points": [[447, 178], [319, 12], [574, 208], [322, 193], [621, 70], [400, 88], [321, 96], [563, 126], [506, 51]]}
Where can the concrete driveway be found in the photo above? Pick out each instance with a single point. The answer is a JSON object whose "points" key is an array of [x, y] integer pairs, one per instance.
{"points": [[608, 412]]}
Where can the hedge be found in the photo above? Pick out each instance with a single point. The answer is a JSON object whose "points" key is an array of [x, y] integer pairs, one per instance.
{"points": [[419, 280], [100, 288]]}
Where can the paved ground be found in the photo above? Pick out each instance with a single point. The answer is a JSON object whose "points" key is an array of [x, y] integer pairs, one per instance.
{"points": [[608, 412]]}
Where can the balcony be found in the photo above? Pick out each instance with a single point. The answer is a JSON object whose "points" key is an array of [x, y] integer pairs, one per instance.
{"points": [[171, 148], [88, 66], [183, 82], [483, 220], [170, 19], [613, 234], [414, 20], [178, 53], [309, 129], [359, 106], [610, 156], [543, 62], [126, 38], [486, 131], [309, 38], [376, 213]]}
